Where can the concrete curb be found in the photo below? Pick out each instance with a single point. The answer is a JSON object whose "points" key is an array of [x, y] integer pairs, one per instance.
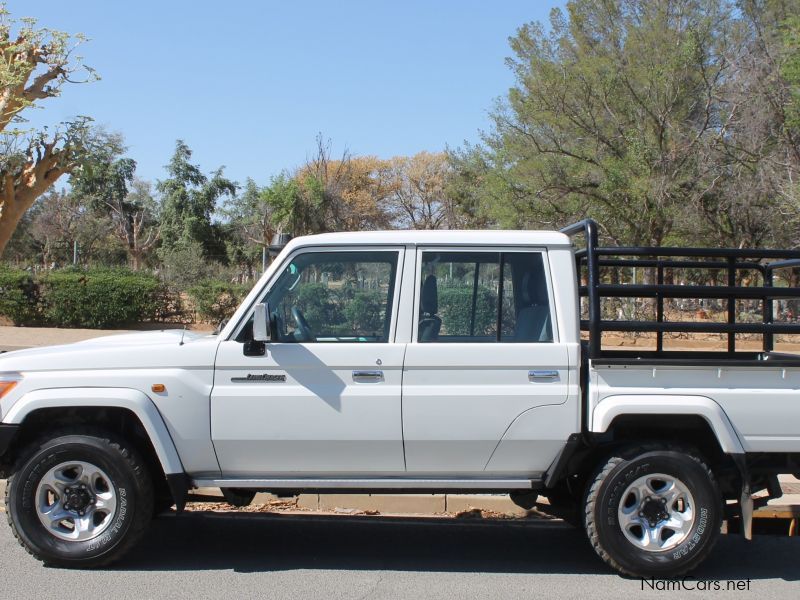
{"points": [[412, 504]]}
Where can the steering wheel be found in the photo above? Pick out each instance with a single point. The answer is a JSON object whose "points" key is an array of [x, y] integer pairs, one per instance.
{"points": [[303, 328]]}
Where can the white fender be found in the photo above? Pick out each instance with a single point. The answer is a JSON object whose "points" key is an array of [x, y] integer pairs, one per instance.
{"points": [[133, 400], [657, 404]]}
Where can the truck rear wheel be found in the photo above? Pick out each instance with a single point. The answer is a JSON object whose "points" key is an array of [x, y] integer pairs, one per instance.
{"points": [[79, 499], [653, 512]]}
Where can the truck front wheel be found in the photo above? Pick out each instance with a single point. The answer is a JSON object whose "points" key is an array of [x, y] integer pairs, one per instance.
{"points": [[653, 512], [79, 499]]}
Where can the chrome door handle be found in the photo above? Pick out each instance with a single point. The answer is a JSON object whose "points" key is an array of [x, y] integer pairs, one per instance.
{"points": [[538, 375], [368, 376]]}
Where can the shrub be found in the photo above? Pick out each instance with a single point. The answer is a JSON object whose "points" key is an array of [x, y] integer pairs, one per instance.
{"points": [[215, 301], [319, 306], [19, 296], [455, 309], [185, 266], [98, 298], [364, 311]]}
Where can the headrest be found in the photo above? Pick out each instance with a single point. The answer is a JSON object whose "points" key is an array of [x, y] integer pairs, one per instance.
{"points": [[430, 296], [534, 288]]}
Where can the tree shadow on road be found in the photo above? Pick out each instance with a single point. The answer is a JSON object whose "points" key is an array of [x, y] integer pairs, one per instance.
{"points": [[258, 542]]}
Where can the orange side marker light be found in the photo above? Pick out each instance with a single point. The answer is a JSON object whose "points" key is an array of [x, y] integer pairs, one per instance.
{"points": [[8, 381], [158, 388]]}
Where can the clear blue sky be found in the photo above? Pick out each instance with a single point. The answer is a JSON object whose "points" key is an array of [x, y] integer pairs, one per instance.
{"points": [[249, 84]]}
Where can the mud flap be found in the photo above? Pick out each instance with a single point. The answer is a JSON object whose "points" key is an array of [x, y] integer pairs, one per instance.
{"points": [[746, 496], [179, 488]]}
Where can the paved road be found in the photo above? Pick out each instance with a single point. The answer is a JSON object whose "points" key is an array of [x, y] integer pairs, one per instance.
{"points": [[207, 555]]}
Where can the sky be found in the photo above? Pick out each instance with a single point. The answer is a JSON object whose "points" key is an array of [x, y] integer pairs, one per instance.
{"points": [[249, 85]]}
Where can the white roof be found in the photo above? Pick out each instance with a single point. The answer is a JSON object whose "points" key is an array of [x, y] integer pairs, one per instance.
{"points": [[413, 237]]}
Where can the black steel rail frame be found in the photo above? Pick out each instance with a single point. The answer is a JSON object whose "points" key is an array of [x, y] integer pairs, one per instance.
{"points": [[590, 259]]}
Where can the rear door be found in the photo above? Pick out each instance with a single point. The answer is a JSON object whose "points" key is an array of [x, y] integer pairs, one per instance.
{"points": [[485, 354]]}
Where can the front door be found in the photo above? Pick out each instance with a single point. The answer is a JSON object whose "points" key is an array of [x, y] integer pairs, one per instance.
{"points": [[485, 375], [324, 398]]}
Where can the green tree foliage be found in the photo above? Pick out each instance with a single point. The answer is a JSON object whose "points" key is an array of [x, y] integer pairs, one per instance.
{"points": [[256, 215], [215, 300], [791, 70], [611, 110], [106, 184], [188, 202], [655, 117]]}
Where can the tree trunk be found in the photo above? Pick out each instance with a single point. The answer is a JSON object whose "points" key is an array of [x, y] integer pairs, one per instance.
{"points": [[135, 257], [11, 213]]}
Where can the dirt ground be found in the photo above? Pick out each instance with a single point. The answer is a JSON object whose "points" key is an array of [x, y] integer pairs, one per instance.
{"points": [[698, 342], [12, 338], [15, 338]]}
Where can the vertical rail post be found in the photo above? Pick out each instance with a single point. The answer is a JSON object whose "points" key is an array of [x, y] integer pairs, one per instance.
{"points": [[766, 309], [731, 302], [595, 328], [660, 307]]}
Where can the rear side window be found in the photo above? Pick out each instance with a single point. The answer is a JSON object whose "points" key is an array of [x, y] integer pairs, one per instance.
{"points": [[484, 297]]}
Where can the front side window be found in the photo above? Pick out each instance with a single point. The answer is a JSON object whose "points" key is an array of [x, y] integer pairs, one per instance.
{"points": [[334, 297], [484, 297]]}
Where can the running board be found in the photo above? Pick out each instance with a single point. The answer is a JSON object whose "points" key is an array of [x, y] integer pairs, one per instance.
{"points": [[372, 484]]}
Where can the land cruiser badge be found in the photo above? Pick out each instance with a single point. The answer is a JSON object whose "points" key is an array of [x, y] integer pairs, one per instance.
{"points": [[260, 378]]}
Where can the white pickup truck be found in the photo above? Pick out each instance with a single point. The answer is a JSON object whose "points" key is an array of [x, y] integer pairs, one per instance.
{"points": [[422, 361]]}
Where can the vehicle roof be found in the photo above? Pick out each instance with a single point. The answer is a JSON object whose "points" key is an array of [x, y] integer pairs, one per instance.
{"points": [[413, 237]]}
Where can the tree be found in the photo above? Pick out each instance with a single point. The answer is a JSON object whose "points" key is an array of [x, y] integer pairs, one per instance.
{"points": [[610, 116], [107, 184], [419, 194], [59, 220], [188, 202], [37, 63], [252, 212], [249, 228], [335, 194], [756, 155]]}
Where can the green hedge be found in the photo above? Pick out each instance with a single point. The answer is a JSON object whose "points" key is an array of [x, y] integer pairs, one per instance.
{"points": [[214, 301], [19, 296], [455, 309], [95, 298]]}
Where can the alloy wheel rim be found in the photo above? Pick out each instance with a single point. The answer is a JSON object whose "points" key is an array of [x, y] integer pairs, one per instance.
{"points": [[76, 501], [656, 512]]}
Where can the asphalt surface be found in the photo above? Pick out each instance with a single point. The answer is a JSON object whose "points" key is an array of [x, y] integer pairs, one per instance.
{"points": [[213, 555]]}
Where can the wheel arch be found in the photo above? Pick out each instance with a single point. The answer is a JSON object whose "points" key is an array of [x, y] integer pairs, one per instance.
{"points": [[124, 411], [660, 411]]}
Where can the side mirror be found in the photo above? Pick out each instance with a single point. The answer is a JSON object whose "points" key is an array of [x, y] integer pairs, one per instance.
{"points": [[261, 328]]}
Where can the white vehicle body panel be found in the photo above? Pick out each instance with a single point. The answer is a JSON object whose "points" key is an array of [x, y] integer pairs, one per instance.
{"points": [[460, 399], [466, 405], [320, 420], [758, 406], [129, 399], [323, 418], [129, 362]]}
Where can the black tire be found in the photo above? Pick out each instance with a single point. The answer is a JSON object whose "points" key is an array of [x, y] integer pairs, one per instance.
{"points": [[605, 493], [128, 479]]}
